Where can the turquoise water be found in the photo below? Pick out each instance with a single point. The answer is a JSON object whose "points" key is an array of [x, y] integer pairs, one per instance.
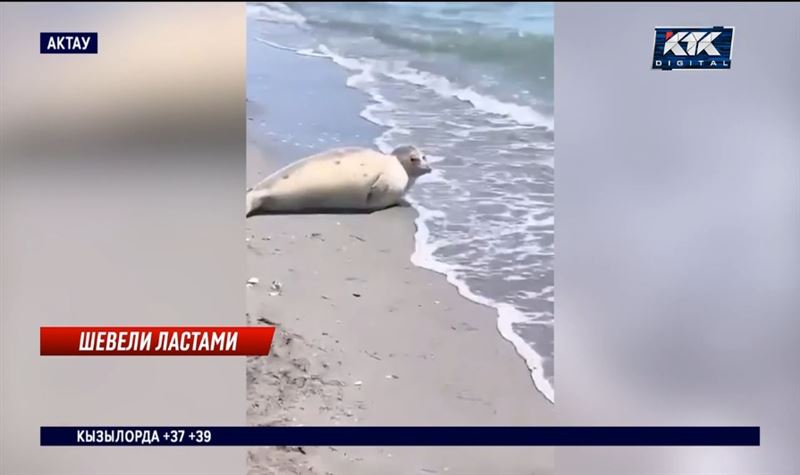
{"points": [[471, 84], [532, 18]]}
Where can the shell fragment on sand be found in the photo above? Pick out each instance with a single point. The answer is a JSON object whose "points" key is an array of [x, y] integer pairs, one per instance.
{"points": [[252, 281], [275, 288]]}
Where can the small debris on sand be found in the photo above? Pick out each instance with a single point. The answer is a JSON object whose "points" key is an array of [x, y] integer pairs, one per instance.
{"points": [[392, 376], [276, 288], [356, 294], [358, 383], [355, 236], [252, 281]]}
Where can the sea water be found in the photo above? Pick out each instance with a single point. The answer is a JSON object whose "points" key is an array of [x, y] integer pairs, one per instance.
{"points": [[471, 84]]}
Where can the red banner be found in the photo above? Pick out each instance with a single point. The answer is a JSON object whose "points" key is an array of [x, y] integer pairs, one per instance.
{"points": [[155, 341]]}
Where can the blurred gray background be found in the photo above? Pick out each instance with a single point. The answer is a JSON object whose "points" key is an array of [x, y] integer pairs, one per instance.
{"points": [[121, 203], [677, 235], [677, 267]]}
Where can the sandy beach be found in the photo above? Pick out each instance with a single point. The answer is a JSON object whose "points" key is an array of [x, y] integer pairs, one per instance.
{"points": [[363, 337], [366, 338]]}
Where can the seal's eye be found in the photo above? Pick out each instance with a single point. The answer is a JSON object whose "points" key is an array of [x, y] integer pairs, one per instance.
{"points": [[414, 159]]}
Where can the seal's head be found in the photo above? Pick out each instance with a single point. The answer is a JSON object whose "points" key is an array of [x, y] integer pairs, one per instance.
{"points": [[412, 160]]}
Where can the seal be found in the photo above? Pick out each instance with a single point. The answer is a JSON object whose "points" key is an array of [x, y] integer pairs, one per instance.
{"points": [[350, 179]]}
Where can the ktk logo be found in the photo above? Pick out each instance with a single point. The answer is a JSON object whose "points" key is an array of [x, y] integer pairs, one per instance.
{"points": [[693, 48], [696, 43]]}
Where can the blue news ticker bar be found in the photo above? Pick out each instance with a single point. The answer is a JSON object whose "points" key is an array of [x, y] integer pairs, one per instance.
{"points": [[415, 436]]}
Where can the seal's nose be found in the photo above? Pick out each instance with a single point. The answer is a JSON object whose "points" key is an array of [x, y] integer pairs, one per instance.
{"points": [[427, 168]]}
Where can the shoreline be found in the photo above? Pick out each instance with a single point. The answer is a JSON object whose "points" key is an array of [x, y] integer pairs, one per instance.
{"points": [[506, 314], [364, 336]]}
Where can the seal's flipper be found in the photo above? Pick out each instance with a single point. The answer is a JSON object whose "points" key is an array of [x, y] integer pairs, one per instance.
{"points": [[377, 192], [255, 202]]}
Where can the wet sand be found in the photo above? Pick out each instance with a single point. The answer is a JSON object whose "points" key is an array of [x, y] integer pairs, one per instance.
{"points": [[366, 338], [363, 336]]}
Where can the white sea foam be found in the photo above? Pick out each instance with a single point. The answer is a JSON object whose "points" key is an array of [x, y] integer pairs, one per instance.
{"points": [[508, 317], [352, 64], [507, 314], [546, 221], [456, 124], [310, 52], [508, 116], [275, 12], [444, 87], [400, 71], [276, 45]]}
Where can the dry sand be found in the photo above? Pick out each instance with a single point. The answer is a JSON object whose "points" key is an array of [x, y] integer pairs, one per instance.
{"points": [[365, 338]]}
